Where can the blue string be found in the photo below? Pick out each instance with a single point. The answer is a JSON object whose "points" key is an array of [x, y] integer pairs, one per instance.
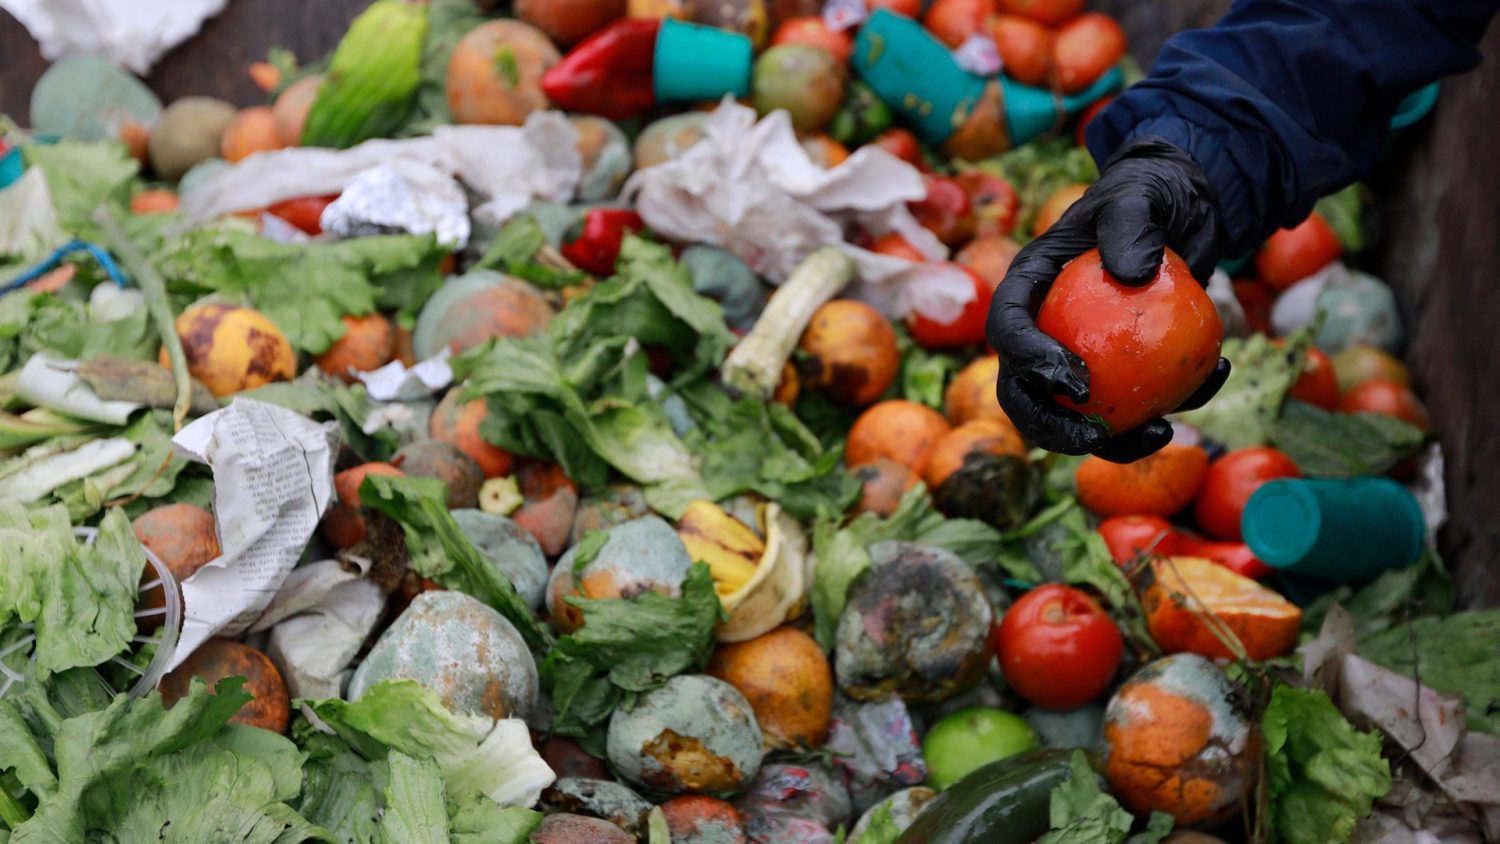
{"points": [[103, 258]]}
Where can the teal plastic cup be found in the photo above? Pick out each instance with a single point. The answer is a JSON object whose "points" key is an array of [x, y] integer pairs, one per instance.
{"points": [[694, 62], [1334, 531], [916, 75]]}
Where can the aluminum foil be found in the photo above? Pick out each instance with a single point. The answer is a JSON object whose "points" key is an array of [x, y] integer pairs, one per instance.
{"points": [[380, 201]]}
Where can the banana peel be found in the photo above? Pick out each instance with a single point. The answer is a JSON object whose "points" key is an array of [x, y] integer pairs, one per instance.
{"points": [[760, 583]]}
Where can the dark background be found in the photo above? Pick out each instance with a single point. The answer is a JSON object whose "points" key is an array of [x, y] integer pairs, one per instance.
{"points": [[1439, 212]]}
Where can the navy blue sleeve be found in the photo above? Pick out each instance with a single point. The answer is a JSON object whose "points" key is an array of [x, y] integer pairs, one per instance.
{"points": [[1284, 101]]}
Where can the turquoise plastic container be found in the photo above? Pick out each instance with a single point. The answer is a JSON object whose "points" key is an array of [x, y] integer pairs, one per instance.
{"points": [[694, 62], [1334, 531], [1032, 112], [915, 74], [11, 167]]}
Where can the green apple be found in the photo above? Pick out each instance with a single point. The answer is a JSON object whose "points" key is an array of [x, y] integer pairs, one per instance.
{"points": [[972, 738]]}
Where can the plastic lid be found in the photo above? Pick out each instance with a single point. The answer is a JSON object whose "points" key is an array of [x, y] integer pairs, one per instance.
{"points": [[916, 75], [1281, 523], [694, 62], [1416, 105]]}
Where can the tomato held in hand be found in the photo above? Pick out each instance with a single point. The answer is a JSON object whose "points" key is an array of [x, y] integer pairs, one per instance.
{"points": [[994, 202], [1128, 537], [304, 212], [946, 211], [1230, 482], [964, 330], [1389, 399], [1318, 384], [1290, 255], [1057, 647]]}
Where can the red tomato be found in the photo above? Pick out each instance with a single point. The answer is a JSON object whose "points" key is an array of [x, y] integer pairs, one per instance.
{"points": [[1230, 482], [1085, 49], [1290, 255], [1256, 299], [1089, 114], [1387, 398], [1235, 556], [953, 21], [304, 212], [910, 8], [902, 144], [896, 246], [1318, 384], [945, 211], [994, 201], [1025, 47], [812, 30], [1050, 12], [1057, 647], [965, 330], [1130, 536]]}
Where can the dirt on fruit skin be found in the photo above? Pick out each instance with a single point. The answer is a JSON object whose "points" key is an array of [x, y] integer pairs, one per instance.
{"points": [[686, 763]]}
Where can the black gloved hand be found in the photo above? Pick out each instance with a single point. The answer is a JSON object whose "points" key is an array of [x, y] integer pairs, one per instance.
{"points": [[1150, 195]]}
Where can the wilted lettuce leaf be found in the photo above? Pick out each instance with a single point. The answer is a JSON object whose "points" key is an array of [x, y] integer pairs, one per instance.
{"points": [[1080, 812], [1244, 411], [414, 809], [474, 752], [79, 599], [135, 768], [513, 251], [1324, 775], [1342, 210], [1453, 654], [626, 646], [320, 396], [440, 550], [1396, 596], [1039, 169], [341, 790], [306, 288], [1343, 445], [81, 176], [33, 322]]}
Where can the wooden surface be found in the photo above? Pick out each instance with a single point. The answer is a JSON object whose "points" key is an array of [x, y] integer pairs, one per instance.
{"points": [[1440, 209]]}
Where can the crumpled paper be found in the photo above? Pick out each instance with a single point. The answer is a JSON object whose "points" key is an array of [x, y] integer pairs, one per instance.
{"points": [[381, 201], [29, 227], [133, 34], [1453, 793], [319, 619], [397, 382], [749, 187], [507, 166], [273, 479]]}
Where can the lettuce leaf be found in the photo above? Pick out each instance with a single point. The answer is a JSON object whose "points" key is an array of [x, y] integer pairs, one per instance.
{"points": [[415, 812], [82, 175], [1343, 445], [474, 753], [1453, 654], [440, 550], [33, 322], [1080, 812], [133, 769], [321, 396], [306, 289], [1324, 775], [78, 599], [628, 646], [1244, 411]]}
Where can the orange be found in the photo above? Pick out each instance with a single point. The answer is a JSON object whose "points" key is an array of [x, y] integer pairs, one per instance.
{"points": [[231, 349], [971, 393], [458, 425], [1052, 210], [979, 436], [369, 342], [1174, 743], [1183, 590], [898, 430], [252, 130], [788, 682], [1157, 485], [158, 201], [852, 356], [270, 706], [882, 483]]}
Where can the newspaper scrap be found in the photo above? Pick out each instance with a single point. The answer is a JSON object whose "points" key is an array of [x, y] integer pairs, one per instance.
{"points": [[53, 383], [749, 187], [273, 478]]}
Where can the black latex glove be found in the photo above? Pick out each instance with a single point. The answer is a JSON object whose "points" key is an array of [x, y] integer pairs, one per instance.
{"points": [[1150, 195]]}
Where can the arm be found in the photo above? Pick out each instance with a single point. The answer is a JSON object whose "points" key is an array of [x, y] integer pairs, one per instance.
{"points": [[1285, 101]]}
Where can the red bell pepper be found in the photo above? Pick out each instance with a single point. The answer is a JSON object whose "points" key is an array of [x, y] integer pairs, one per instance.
{"points": [[596, 246], [609, 74]]}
